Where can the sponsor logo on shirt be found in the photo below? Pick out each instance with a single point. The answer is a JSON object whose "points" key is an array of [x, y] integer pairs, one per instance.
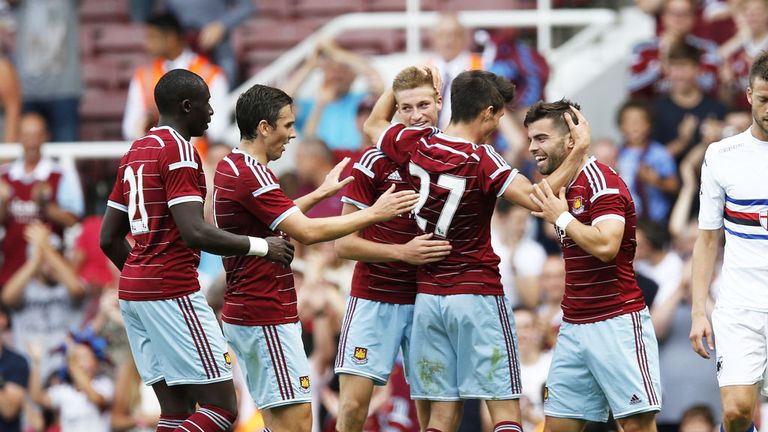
{"points": [[395, 176], [360, 356]]}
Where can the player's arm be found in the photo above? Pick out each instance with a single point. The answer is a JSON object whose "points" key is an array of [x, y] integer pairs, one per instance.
{"points": [[420, 250], [114, 228], [601, 240], [381, 115], [705, 252], [331, 185], [314, 230], [198, 234]]}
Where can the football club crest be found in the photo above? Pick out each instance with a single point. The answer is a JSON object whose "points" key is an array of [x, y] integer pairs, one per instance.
{"points": [[361, 355], [578, 205], [304, 383], [546, 393], [764, 219], [228, 359]]}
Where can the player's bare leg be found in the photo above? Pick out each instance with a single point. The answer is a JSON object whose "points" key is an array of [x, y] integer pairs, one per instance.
{"points": [[445, 416], [504, 411], [354, 399], [556, 424], [173, 399], [643, 422], [738, 407], [422, 412], [289, 418]]}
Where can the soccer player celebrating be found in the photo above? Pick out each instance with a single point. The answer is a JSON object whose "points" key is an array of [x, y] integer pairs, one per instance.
{"points": [[461, 314], [380, 308], [606, 354], [261, 321], [158, 198], [734, 196]]}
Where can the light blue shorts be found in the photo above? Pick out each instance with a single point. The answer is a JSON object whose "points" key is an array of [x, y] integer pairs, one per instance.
{"points": [[371, 335], [464, 347], [176, 340], [611, 364], [273, 361]]}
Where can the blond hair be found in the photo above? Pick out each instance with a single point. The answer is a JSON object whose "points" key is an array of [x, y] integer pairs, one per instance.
{"points": [[410, 78]]}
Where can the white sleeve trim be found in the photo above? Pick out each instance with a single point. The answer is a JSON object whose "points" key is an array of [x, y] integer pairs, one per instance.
{"points": [[711, 225], [185, 199], [265, 189], [616, 217], [182, 164], [507, 182], [363, 169], [117, 206], [358, 204], [499, 171], [282, 217], [609, 191], [381, 137]]}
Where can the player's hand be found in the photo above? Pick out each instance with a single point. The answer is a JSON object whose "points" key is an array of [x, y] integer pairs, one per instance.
{"points": [[421, 250], [331, 184], [701, 330], [279, 250], [437, 77], [580, 129], [551, 205], [391, 204]]}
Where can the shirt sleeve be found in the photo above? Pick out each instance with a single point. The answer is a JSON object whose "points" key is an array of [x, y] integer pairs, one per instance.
{"points": [[607, 201], [69, 195], [664, 163], [399, 141], [495, 173], [361, 192], [711, 197], [181, 170], [264, 199], [116, 198]]}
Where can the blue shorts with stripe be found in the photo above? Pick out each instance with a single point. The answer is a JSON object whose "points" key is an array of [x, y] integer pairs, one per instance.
{"points": [[611, 364], [177, 340], [464, 346], [371, 335], [274, 363]]}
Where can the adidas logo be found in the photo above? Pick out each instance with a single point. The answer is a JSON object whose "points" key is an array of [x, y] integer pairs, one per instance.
{"points": [[395, 176], [635, 400]]}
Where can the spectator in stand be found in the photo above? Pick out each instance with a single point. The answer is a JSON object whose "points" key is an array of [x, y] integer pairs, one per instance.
{"points": [[646, 74], [534, 367], [165, 42], [34, 188], [92, 267], [47, 56], [655, 260], [679, 115], [607, 152], [644, 164], [313, 161], [14, 374], [83, 398], [698, 418], [10, 99], [523, 65], [331, 114], [135, 408], [452, 56], [209, 25], [552, 282], [45, 296], [752, 15]]}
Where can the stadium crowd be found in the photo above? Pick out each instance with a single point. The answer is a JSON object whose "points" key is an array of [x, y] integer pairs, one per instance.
{"points": [[64, 358]]}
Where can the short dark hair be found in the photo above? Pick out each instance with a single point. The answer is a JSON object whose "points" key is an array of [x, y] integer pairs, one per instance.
{"points": [[473, 91], [166, 23], [553, 110], [759, 68], [175, 86], [635, 104], [683, 50], [259, 103], [657, 234]]}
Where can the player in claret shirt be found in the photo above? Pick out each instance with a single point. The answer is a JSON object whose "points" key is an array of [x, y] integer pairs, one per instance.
{"points": [[158, 197], [606, 356], [463, 343], [380, 308], [260, 317]]}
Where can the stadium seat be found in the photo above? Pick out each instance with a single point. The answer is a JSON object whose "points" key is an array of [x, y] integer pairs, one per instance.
{"points": [[398, 5], [374, 41], [102, 11], [119, 38], [313, 8], [103, 105], [101, 74]]}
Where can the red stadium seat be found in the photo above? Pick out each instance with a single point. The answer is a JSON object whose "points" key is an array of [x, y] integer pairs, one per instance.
{"points": [[398, 5], [277, 34], [101, 11], [378, 41], [102, 105], [101, 74], [310, 8], [276, 8], [119, 38]]}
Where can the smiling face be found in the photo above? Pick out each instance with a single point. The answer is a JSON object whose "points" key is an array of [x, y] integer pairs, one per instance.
{"points": [[548, 144], [284, 131], [418, 106]]}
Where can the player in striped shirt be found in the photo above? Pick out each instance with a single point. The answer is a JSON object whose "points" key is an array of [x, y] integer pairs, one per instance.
{"points": [[463, 343], [261, 321], [158, 198], [734, 198], [606, 355]]}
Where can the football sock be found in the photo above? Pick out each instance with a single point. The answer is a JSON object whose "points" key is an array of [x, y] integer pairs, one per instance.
{"points": [[169, 422], [508, 426], [208, 419]]}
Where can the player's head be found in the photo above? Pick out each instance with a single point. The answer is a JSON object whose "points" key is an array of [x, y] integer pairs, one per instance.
{"points": [[265, 113], [635, 120], [480, 96], [757, 92], [164, 36], [33, 132], [417, 100], [548, 134], [183, 95], [449, 37], [682, 66]]}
